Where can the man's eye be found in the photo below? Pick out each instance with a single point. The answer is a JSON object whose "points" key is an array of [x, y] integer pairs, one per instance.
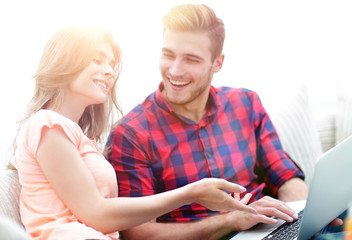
{"points": [[167, 55], [192, 60]]}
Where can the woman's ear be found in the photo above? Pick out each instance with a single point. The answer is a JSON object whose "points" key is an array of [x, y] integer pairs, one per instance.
{"points": [[218, 61]]}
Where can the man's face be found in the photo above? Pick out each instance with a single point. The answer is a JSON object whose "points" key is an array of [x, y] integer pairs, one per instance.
{"points": [[187, 68]]}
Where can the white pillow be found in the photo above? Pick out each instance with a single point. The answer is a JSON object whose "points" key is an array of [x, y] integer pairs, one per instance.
{"points": [[344, 117], [9, 194], [325, 119], [291, 115]]}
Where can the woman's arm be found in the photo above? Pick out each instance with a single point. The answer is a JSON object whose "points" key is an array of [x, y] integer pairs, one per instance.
{"points": [[74, 184]]}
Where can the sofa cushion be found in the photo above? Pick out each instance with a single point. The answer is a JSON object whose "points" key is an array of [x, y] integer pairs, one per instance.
{"points": [[344, 117], [291, 115], [11, 230], [9, 194], [325, 120]]}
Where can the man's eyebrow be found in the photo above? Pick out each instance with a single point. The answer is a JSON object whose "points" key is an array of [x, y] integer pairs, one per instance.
{"points": [[166, 50], [194, 56]]}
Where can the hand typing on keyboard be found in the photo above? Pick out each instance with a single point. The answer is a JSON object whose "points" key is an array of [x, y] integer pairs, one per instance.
{"points": [[288, 230], [268, 211]]}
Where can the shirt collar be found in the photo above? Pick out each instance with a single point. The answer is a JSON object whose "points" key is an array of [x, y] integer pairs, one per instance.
{"points": [[213, 103], [160, 100]]}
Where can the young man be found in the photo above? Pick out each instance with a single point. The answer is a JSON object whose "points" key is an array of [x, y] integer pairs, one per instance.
{"points": [[188, 130]]}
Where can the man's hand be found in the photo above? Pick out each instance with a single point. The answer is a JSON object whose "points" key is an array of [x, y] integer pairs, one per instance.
{"points": [[266, 208], [336, 222]]}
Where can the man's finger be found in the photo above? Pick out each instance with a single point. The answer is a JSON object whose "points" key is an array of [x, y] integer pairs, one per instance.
{"points": [[336, 222], [231, 187], [244, 207], [246, 198]]}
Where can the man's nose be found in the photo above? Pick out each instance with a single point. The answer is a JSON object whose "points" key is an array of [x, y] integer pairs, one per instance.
{"points": [[176, 68]]}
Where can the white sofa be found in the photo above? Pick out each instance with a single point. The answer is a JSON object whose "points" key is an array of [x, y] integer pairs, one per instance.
{"points": [[11, 227], [307, 131], [304, 132], [9, 194]]}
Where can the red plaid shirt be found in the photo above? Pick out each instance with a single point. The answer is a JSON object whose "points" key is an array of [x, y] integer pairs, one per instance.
{"points": [[154, 149]]}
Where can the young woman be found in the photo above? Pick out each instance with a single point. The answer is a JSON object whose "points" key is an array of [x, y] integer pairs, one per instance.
{"points": [[69, 190]]}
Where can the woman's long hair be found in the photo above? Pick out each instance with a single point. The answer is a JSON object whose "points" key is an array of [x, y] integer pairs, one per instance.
{"points": [[64, 57]]}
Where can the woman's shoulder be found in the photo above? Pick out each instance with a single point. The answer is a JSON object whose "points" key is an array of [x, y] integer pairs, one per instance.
{"points": [[49, 118], [45, 115], [30, 133]]}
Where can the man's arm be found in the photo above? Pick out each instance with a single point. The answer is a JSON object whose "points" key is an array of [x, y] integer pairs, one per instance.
{"points": [[293, 190], [208, 228], [215, 227]]}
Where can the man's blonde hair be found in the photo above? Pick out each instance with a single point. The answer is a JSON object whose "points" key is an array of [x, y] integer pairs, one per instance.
{"points": [[201, 18]]}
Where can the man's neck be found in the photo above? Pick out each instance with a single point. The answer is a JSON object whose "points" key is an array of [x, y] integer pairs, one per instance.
{"points": [[194, 109], [194, 113]]}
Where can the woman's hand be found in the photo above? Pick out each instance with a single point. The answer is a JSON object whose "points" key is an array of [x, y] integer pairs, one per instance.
{"points": [[210, 193]]}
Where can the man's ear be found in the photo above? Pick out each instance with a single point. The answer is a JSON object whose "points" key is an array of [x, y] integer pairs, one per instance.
{"points": [[218, 61]]}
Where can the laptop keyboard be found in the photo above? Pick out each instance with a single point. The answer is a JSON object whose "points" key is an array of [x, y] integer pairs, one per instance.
{"points": [[287, 230]]}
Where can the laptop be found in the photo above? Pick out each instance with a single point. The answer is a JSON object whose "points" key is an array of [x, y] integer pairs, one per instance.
{"points": [[329, 195]]}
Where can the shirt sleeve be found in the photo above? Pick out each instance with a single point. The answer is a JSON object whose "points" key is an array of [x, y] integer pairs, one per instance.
{"points": [[128, 155], [273, 162], [30, 135], [49, 119]]}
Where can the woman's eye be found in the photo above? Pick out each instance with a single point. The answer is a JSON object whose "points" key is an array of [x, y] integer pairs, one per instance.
{"points": [[97, 61], [112, 65]]}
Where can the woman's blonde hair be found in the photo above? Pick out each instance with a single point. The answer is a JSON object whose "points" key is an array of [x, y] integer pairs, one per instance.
{"points": [[201, 18], [64, 57]]}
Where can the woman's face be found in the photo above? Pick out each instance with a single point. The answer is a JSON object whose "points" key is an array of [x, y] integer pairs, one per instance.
{"points": [[96, 80]]}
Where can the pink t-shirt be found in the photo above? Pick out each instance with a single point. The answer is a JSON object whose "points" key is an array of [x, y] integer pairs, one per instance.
{"points": [[43, 213]]}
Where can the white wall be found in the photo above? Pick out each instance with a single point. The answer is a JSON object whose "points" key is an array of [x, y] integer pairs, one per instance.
{"points": [[270, 46]]}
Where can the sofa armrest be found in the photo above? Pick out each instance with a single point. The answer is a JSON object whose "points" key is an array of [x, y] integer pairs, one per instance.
{"points": [[9, 194]]}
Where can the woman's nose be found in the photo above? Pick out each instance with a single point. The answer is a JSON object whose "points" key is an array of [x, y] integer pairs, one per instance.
{"points": [[108, 70]]}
